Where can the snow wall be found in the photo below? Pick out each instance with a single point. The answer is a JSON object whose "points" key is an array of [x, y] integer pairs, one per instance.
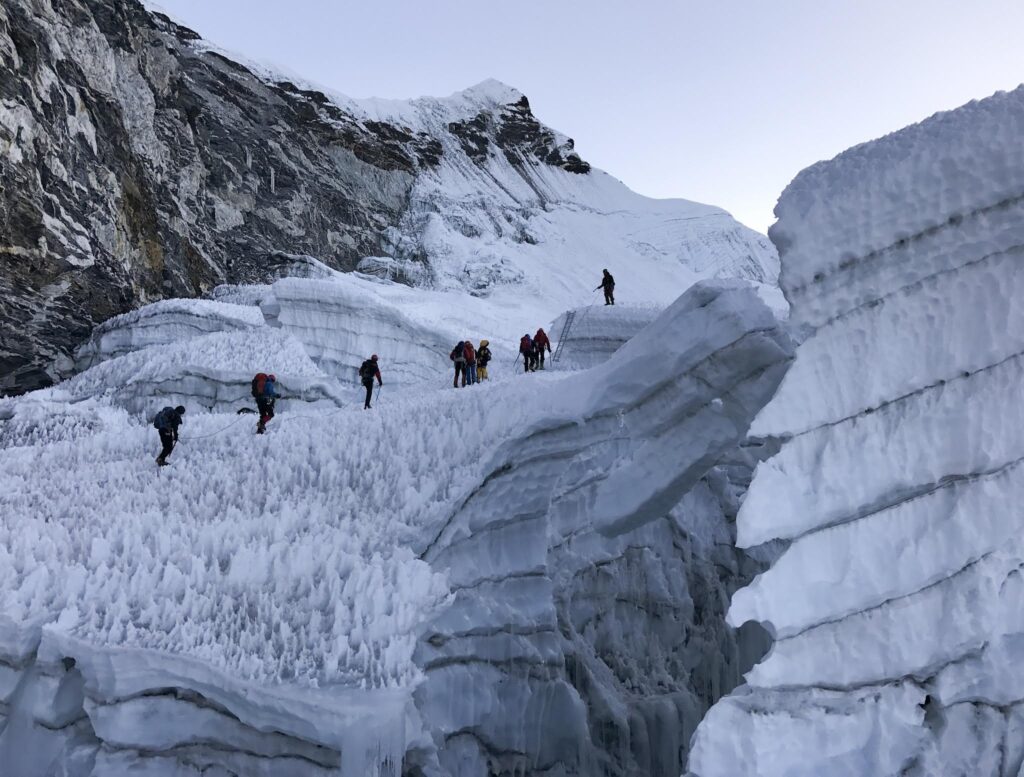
{"points": [[541, 590], [900, 601]]}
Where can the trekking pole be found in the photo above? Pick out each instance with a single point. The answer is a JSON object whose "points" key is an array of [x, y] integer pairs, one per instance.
{"points": [[517, 359]]}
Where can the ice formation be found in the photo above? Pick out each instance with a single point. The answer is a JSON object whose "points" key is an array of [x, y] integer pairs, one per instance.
{"points": [[897, 607], [357, 590]]}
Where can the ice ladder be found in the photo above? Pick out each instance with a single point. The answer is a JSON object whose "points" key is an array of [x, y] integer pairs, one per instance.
{"points": [[570, 316]]}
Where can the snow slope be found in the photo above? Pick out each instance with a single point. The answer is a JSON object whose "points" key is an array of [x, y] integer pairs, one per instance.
{"points": [[897, 607], [354, 588], [171, 168], [493, 222]]}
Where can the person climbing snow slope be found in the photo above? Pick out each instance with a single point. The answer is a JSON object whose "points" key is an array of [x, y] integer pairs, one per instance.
{"points": [[483, 358], [608, 284], [367, 372], [470, 353], [265, 392], [526, 349], [541, 342], [166, 423], [458, 357]]}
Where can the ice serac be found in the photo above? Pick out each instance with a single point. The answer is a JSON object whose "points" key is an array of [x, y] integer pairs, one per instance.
{"points": [[356, 593], [140, 164], [897, 608], [582, 636]]}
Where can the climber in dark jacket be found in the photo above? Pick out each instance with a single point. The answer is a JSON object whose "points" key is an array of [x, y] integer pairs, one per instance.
{"points": [[527, 350], [167, 422], [367, 372], [264, 391], [458, 357], [608, 284]]}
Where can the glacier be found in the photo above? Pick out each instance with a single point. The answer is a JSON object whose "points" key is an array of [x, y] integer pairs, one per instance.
{"points": [[897, 604], [355, 593]]}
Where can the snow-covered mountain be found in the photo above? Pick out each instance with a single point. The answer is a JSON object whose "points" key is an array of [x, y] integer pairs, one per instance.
{"points": [[138, 163], [897, 608], [523, 577]]}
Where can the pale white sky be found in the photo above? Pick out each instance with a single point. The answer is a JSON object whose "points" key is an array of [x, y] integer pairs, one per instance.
{"points": [[719, 101]]}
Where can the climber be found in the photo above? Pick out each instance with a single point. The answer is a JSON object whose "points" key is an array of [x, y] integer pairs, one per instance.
{"points": [[470, 353], [367, 372], [540, 342], [526, 349], [458, 357], [608, 284], [483, 356], [263, 392], [166, 423]]}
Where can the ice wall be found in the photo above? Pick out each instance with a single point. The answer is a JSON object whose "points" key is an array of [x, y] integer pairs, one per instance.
{"points": [[596, 332], [577, 641], [897, 608], [212, 371], [524, 576]]}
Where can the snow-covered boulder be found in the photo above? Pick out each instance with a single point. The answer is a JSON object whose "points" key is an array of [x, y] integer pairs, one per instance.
{"points": [[897, 609]]}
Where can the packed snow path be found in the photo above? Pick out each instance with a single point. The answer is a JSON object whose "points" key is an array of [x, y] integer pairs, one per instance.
{"points": [[898, 606], [273, 601]]}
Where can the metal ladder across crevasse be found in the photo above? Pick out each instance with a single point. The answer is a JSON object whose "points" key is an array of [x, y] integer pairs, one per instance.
{"points": [[570, 316]]}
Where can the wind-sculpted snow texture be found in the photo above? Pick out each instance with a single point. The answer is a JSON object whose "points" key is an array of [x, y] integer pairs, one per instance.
{"points": [[898, 606], [482, 598], [138, 163]]}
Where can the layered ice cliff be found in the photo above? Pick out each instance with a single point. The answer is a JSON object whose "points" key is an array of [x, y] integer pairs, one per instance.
{"points": [[897, 609], [528, 576], [139, 163]]}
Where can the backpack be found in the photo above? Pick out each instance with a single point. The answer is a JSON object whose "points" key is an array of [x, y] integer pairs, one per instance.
{"points": [[368, 370], [525, 344], [161, 421], [458, 352], [469, 353], [258, 383]]}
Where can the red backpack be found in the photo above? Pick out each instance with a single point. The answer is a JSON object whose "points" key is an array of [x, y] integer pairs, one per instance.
{"points": [[257, 384]]}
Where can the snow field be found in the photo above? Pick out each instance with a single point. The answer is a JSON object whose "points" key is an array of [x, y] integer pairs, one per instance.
{"points": [[308, 581]]}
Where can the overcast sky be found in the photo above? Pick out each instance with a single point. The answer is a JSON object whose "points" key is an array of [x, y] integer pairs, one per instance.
{"points": [[720, 101]]}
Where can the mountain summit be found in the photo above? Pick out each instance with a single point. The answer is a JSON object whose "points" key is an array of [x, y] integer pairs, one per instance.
{"points": [[139, 163]]}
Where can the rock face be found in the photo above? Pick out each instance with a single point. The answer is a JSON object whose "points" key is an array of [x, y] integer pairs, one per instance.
{"points": [[138, 164]]}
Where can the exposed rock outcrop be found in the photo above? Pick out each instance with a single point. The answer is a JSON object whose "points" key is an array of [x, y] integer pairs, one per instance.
{"points": [[137, 163]]}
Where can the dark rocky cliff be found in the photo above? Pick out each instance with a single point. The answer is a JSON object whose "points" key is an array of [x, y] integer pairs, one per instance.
{"points": [[135, 163]]}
